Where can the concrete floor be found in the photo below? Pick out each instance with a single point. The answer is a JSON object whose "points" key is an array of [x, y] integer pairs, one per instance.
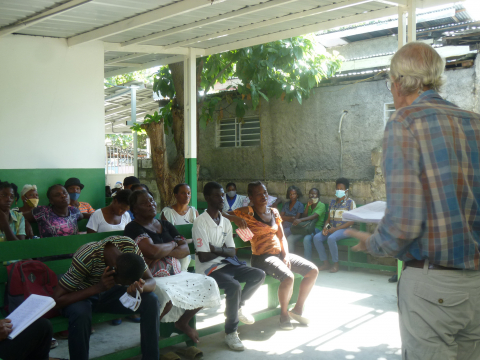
{"points": [[354, 316]]}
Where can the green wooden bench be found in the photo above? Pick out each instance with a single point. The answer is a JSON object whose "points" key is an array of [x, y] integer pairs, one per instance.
{"points": [[26, 249]]}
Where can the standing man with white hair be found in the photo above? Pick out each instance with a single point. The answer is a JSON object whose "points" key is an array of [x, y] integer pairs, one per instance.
{"points": [[431, 161]]}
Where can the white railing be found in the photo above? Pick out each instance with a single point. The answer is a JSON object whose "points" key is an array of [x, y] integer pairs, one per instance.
{"points": [[118, 160]]}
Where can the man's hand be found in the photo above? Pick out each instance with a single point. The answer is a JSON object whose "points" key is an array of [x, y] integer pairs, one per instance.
{"points": [[296, 222], [107, 281], [287, 261], [360, 235], [242, 224], [5, 328], [137, 285], [331, 230], [325, 231]]}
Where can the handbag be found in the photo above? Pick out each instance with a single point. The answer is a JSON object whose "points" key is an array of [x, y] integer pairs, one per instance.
{"points": [[304, 228]]}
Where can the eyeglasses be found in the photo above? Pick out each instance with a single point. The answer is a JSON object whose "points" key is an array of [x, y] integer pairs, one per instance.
{"points": [[389, 84]]}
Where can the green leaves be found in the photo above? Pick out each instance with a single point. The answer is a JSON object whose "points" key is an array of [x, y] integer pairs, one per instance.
{"points": [[286, 69], [163, 83]]}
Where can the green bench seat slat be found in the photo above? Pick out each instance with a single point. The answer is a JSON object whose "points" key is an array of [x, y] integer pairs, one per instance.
{"points": [[26, 249]]}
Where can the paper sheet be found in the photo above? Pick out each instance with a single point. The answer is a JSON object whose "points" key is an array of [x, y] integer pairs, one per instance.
{"points": [[370, 213], [30, 310]]}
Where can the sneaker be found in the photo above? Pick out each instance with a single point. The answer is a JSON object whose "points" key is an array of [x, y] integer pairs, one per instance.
{"points": [[233, 341], [247, 318]]}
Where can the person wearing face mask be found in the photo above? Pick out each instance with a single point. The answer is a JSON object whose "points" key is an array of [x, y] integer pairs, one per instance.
{"points": [[29, 196], [334, 229], [180, 213], [58, 218], [74, 188], [12, 223], [234, 201], [315, 210]]}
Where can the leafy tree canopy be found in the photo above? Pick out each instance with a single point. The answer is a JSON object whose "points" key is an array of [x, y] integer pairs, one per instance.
{"points": [[286, 69]]}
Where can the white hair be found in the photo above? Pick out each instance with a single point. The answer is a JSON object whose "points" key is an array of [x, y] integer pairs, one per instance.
{"points": [[415, 66], [27, 188]]}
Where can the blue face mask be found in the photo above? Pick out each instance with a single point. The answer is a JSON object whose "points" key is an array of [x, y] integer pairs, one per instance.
{"points": [[74, 196], [340, 193]]}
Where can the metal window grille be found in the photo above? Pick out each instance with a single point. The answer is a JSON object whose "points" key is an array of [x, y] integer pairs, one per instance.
{"points": [[118, 160], [238, 133], [388, 110]]}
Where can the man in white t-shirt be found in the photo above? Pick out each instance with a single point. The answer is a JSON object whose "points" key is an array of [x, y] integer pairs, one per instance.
{"points": [[215, 249]]}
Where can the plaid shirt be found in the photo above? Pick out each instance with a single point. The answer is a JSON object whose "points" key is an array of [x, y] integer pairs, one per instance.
{"points": [[432, 175]]}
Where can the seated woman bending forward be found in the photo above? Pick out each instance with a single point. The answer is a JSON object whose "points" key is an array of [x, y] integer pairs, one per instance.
{"points": [[181, 294], [270, 253]]}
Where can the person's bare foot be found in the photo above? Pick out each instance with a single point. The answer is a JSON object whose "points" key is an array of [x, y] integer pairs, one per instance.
{"points": [[190, 332], [335, 268], [325, 266]]}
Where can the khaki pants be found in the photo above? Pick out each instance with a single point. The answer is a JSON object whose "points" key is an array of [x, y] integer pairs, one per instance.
{"points": [[439, 314]]}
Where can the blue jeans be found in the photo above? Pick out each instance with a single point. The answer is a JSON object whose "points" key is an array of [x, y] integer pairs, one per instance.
{"points": [[332, 239], [79, 316], [307, 244]]}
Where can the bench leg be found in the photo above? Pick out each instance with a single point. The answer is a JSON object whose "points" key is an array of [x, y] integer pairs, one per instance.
{"points": [[349, 258]]}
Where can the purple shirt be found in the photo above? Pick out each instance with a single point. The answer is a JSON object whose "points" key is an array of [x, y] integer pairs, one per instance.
{"points": [[52, 225]]}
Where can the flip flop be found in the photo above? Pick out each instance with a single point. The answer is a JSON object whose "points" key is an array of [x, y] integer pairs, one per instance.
{"points": [[170, 356], [286, 325], [299, 318], [191, 353]]}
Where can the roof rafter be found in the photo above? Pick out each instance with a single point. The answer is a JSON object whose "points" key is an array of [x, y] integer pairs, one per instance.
{"points": [[231, 15], [165, 12], [41, 16], [149, 49], [148, 65], [298, 15]]}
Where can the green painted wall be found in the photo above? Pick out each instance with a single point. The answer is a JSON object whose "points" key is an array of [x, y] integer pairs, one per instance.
{"points": [[93, 179]]}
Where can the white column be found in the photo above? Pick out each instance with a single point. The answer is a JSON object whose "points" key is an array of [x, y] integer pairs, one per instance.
{"points": [[190, 109], [402, 26], [412, 20], [133, 117]]}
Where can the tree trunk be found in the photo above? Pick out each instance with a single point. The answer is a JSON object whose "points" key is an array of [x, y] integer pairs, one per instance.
{"points": [[167, 176]]}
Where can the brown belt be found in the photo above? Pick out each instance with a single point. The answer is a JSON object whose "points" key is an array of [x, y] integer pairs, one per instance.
{"points": [[420, 264]]}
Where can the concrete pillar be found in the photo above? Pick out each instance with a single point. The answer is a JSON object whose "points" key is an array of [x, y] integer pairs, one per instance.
{"points": [[190, 114]]}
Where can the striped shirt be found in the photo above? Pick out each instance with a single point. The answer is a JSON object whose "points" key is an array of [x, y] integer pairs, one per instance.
{"points": [[88, 263], [85, 208], [432, 175]]}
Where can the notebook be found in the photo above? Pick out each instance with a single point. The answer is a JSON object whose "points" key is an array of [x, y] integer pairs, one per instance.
{"points": [[370, 213], [31, 309]]}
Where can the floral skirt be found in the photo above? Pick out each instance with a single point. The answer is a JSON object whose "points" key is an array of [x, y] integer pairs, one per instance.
{"points": [[186, 291]]}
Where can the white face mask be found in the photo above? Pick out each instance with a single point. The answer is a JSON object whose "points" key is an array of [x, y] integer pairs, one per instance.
{"points": [[314, 200], [231, 194], [130, 302]]}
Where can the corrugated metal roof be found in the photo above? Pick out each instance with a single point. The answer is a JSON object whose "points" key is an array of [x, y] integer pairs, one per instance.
{"points": [[119, 21]]}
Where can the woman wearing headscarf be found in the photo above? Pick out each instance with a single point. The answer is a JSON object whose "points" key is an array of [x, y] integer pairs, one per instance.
{"points": [[29, 196]]}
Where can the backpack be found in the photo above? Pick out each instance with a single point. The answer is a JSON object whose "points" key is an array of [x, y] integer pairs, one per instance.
{"points": [[26, 278]]}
